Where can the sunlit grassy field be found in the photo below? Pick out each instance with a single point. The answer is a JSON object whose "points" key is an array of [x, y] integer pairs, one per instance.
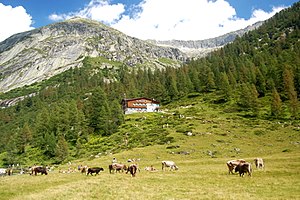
{"points": [[197, 178], [201, 157]]}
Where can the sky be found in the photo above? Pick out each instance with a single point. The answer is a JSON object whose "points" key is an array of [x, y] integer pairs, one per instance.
{"points": [[143, 19]]}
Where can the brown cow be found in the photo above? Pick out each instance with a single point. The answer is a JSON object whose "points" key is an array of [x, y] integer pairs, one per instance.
{"points": [[94, 170], [9, 171], [231, 164], [259, 163], [116, 167], [243, 168], [132, 169], [39, 169]]}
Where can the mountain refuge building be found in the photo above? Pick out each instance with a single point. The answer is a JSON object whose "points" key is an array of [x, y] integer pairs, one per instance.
{"points": [[141, 104]]}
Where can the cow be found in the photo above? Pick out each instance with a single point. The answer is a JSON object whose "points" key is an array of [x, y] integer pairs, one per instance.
{"points": [[83, 169], [3, 172], [132, 169], [151, 169], [94, 170], [259, 163], [243, 168], [39, 169], [170, 164], [116, 167], [9, 171], [231, 164]]}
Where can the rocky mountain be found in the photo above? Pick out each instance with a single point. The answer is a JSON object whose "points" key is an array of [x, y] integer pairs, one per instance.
{"points": [[36, 55], [32, 56], [198, 48]]}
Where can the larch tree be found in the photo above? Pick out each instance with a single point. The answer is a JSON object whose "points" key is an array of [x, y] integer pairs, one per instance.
{"points": [[276, 106], [289, 86]]}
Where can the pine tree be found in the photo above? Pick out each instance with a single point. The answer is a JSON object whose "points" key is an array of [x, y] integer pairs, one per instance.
{"points": [[194, 77], [249, 98], [62, 149], [157, 89], [260, 83], [276, 106], [288, 79], [24, 137], [117, 115], [210, 84], [171, 85], [49, 146], [98, 112], [225, 86]]}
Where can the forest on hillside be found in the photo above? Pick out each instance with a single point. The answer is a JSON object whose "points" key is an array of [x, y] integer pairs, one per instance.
{"points": [[257, 71]]}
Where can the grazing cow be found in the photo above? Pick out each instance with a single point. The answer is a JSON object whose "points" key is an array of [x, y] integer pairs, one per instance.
{"points": [[132, 169], [170, 164], [243, 168], [116, 167], [83, 169], [259, 163], [9, 171], [39, 169], [231, 164], [2, 172], [94, 170]]}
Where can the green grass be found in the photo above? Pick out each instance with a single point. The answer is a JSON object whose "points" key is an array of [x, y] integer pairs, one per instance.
{"points": [[216, 138], [197, 178]]}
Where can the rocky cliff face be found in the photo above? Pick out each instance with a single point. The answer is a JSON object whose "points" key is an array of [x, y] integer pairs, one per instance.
{"points": [[39, 54], [199, 48]]}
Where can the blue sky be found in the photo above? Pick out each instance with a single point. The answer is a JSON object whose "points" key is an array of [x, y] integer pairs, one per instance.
{"points": [[144, 19]]}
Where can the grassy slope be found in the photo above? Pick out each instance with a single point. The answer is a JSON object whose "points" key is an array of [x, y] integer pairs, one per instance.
{"points": [[217, 137]]}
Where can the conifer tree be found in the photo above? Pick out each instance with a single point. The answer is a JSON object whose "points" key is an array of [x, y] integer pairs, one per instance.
{"points": [[171, 85], [62, 149], [117, 116], [194, 77], [98, 112], [288, 79], [157, 89], [249, 98], [260, 83], [225, 86], [210, 81], [276, 106], [24, 137]]}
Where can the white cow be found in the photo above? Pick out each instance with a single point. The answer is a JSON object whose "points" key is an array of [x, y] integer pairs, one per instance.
{"points": [[259, 163], [2, 172], [170, 164]]}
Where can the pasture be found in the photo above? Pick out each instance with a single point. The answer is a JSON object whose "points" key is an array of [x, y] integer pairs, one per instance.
{"points": [[205, 138], [197, 178]]}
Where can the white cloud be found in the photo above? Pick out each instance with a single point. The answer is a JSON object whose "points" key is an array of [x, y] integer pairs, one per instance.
{"points": [[13, 20], [56, 17], [195, 20], [170, 19], [99, 10]]}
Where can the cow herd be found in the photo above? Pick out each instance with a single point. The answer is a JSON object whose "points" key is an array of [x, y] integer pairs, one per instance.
{"points": [[239, 166], [242, 167]]}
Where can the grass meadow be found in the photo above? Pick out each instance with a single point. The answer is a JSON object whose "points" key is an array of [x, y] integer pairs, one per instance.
{"points": [[201, 157]]}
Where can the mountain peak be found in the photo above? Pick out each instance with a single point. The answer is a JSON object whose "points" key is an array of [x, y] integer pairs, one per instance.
{"points": [[32, 56]]}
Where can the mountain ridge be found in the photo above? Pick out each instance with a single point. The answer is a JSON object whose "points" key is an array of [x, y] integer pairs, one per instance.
{"points": [[39, 54], [200, 48]]}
